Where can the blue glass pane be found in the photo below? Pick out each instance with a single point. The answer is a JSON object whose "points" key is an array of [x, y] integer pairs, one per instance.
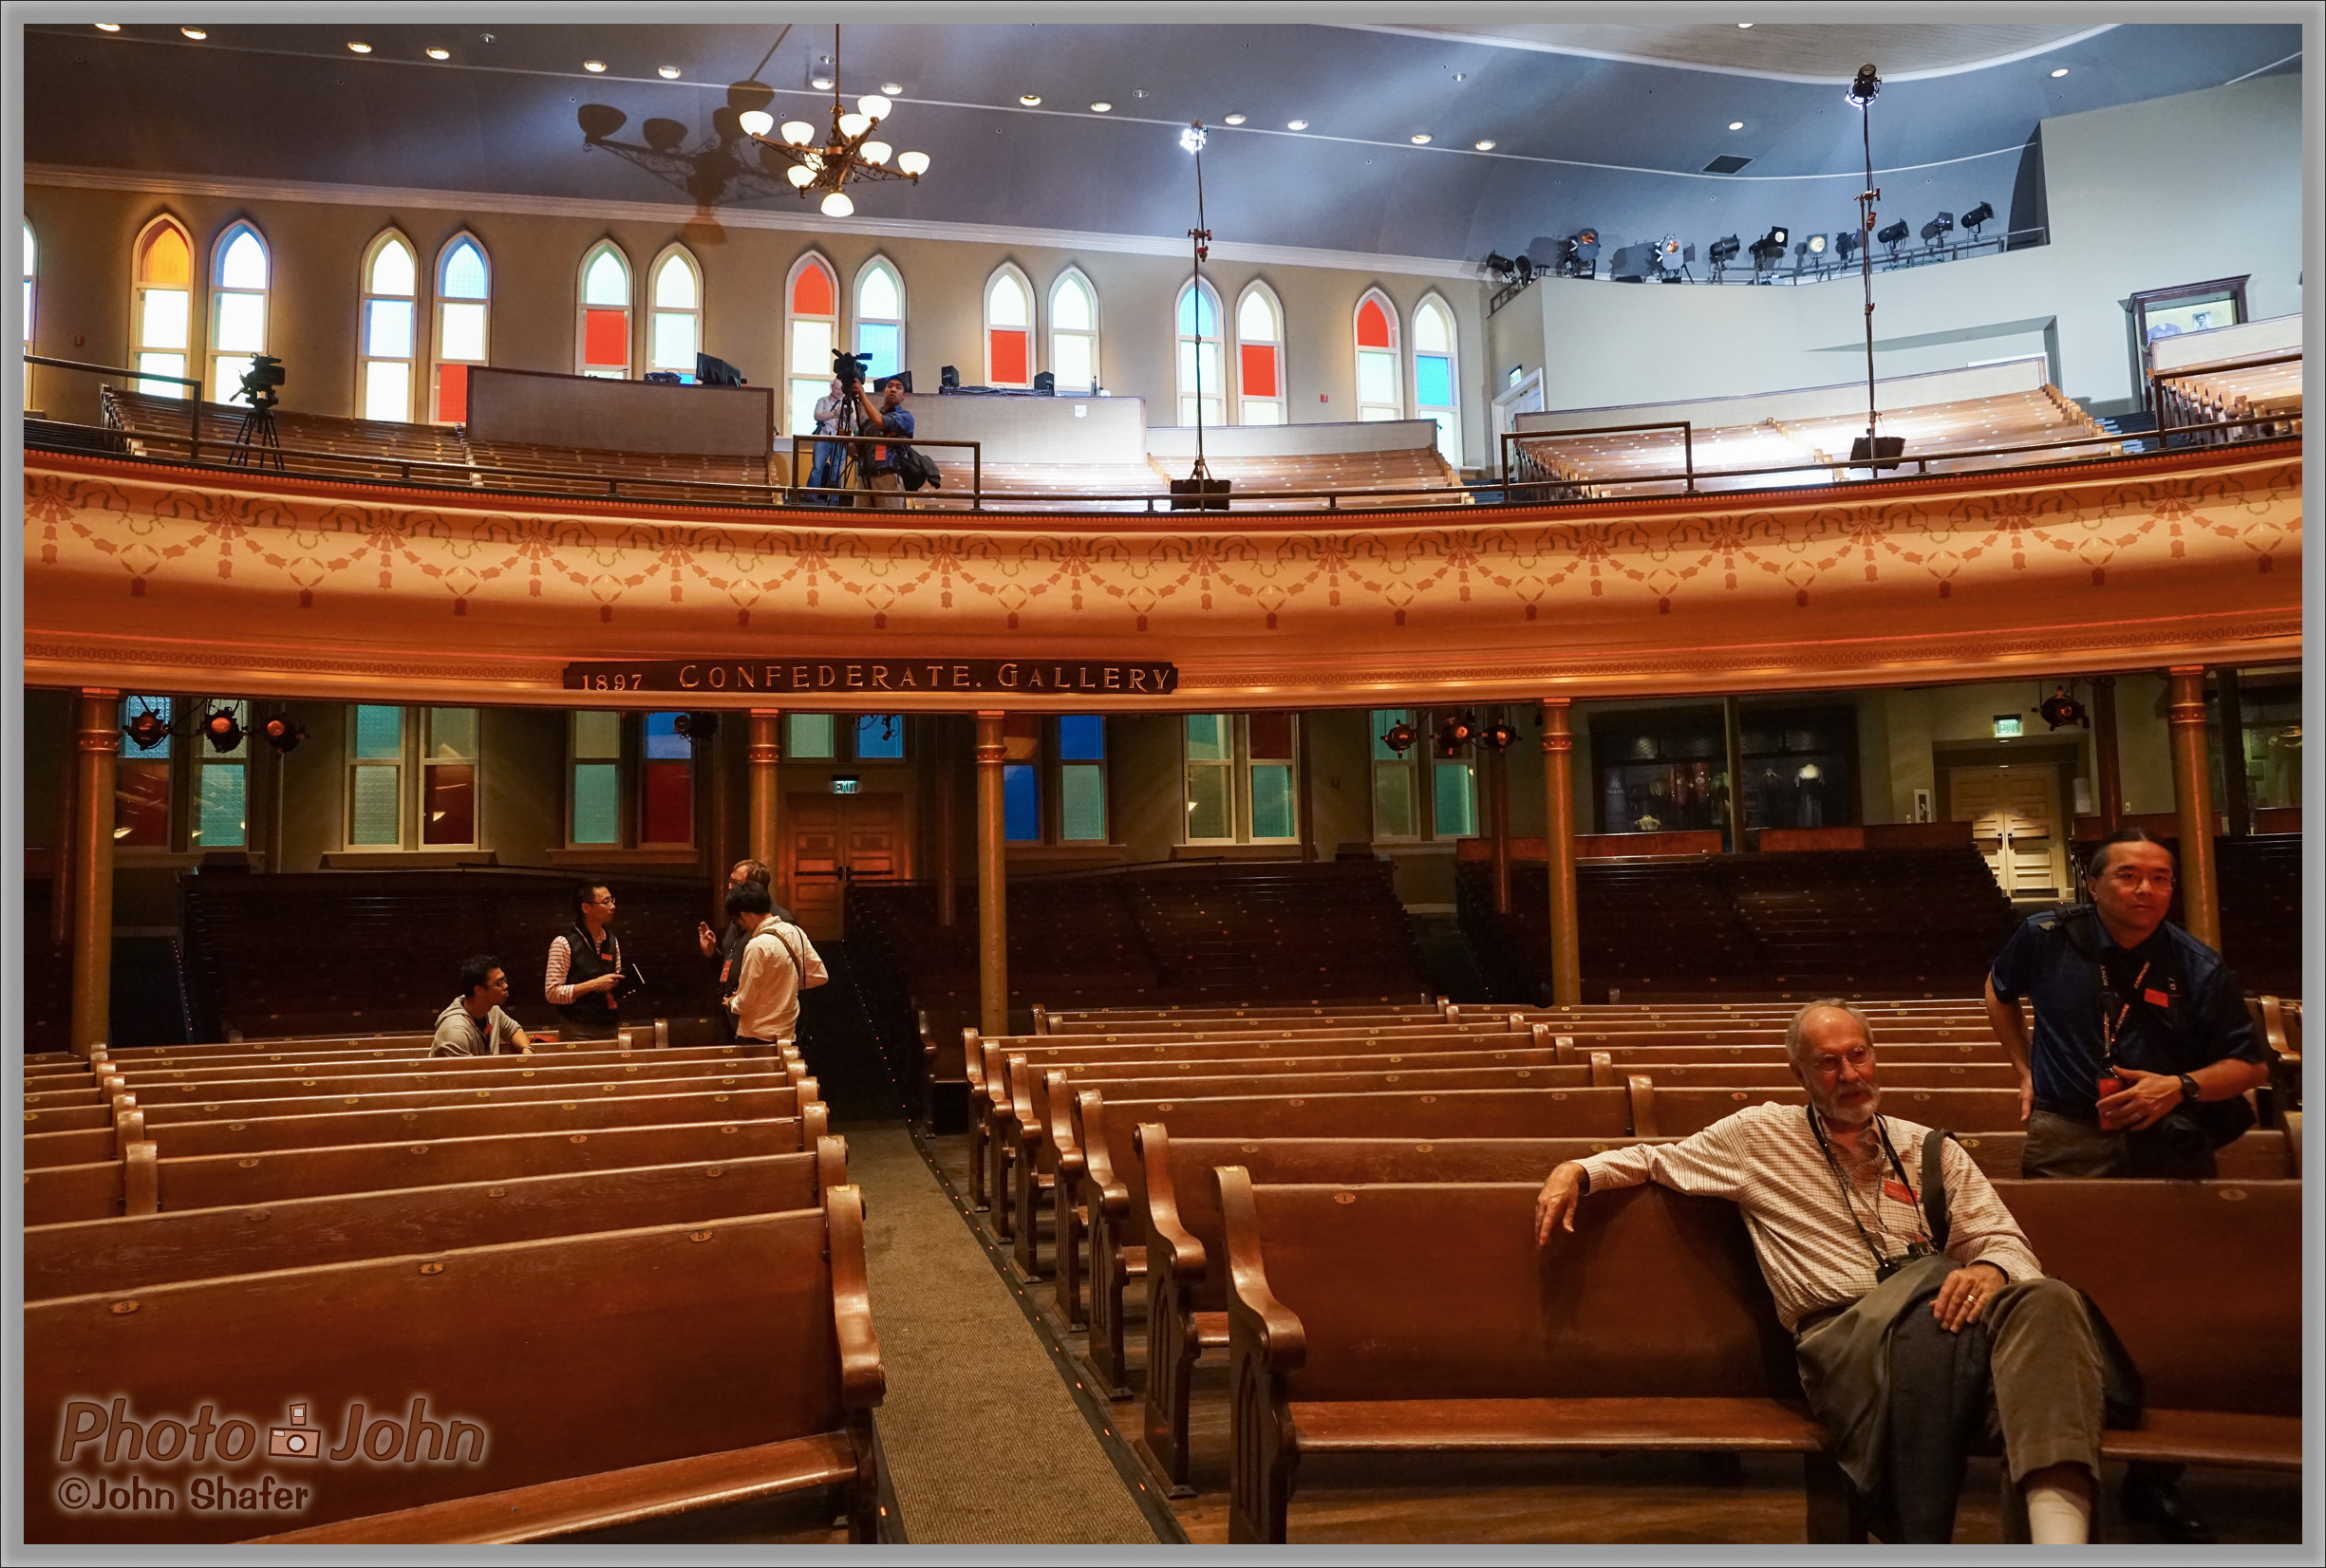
{"points": [[1020, 803], [885, 343], [663, 742], [880, 737], [464, 274], [1199, 315], [1081, 737], [1433, 381], [379, 734]]}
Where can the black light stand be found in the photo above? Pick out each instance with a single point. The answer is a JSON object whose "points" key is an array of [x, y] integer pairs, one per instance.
{"points": [[1863, 451], [1199, 491]]}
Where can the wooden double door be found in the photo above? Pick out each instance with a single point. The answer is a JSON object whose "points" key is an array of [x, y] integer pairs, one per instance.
{"points": [[2014, 813], [831, 840]]}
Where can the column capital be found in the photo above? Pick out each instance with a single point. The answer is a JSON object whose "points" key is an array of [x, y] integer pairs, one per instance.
{"points": [[991, 748]]}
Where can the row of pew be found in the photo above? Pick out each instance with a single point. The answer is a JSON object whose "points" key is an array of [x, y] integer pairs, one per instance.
{"points": [[1334, 1204], [334, 1290]]}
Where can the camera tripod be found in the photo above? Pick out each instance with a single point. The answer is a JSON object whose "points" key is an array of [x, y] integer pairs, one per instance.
{"points": [[255, 442]]}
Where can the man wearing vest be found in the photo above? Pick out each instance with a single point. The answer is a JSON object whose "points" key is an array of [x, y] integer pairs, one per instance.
{"points": [[778, 963], [584, 965], [2140, 1060]]}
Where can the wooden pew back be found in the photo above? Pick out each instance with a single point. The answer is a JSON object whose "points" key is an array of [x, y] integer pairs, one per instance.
{"points": [[1677, 1112]]}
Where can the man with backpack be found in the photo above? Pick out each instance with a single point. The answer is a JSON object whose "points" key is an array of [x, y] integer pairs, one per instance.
{"points": [[778, 963]]}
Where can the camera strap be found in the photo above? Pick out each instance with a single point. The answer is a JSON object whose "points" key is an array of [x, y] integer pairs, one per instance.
{"points": [[1849, 1205]]}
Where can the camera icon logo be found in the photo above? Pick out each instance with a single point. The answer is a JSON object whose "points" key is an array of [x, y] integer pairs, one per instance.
{"points": [[296, 1441]]}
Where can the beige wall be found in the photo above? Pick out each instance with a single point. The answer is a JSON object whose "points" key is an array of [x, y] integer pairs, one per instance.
{"points": [[85, 238]]}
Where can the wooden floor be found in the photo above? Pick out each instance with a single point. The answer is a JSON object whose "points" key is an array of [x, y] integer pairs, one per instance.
{"points": [[1598, 1500]]}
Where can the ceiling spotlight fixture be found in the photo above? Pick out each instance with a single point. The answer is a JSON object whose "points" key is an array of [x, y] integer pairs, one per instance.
{"points": [[1943, 223], [439, 54], [108, 26], [1421, 139], [357, 48], [283, 733], [1894, 235], [2061, 709], [847, 152], [1864, 87], [1736, 124], [593, 66], [669, 73], [1979, 217], [195, 34], [1770, 249], [1029, 99], [1486, 146], [1102, 107], [1744, 24], [820, 73], [1845, 244], [1231, 120], [1816, 244], [2062, 71], [148, 731], [1458, 730], [1193, 138], [1579, 254], [1399, 738], [1296, 124], [222, 729], [892, 89]]}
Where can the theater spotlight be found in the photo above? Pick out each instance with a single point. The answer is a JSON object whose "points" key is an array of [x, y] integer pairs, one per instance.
{"points": [[1399, 738], [1723, 250], [1458, 730], [1525, 266], [1498, 736], [696, 727], [283, 733], [148, 730], [1845, 244], [1579, 254], [1501, 266], [1816, 244], [2061, 709], [1943, 223], [1768, 249], [1865, 86], [1979, 217], [1894, 237], [222, 730]]}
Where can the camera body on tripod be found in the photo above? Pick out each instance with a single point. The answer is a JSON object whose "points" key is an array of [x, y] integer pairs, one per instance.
{"points": [[260, 380]]}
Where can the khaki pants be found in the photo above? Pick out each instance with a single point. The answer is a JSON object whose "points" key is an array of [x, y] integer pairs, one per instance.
{"points": [[888, 491]]}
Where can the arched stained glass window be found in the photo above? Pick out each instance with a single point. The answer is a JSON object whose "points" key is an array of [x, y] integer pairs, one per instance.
{"points": [[602, 339], [1009, 328], [28, 302], [880, 318], [1260, 357], [463, 323], [1436, 394], [160, 321], [237, 308], [1378, 396], [1198, 319], [812, 321], [383, 349], [676, 318], [1073, 332]]}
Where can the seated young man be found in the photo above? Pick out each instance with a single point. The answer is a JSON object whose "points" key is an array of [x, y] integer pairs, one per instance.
{"points": [[1908, 1353], [474, 1025]]}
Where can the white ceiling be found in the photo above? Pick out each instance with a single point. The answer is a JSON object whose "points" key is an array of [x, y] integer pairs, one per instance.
{"points": [[1779, 51]]}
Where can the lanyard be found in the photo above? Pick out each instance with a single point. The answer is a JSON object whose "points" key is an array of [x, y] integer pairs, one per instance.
{"points": [[2113, 1012], [1848, 1200]]}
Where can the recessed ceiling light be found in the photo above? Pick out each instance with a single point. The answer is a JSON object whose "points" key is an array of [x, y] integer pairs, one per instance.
{"points": [[669, 73], [1421, 139], [1736, 124], [1231, 120], [892, 88], [1744, 24], [2062, 71], [195, 34], [439, 54], [594, 66], [108, 26], [357, 48], [1486, 146], [821, 82], [1029, 99], [1296, 124], [1102, 107]]}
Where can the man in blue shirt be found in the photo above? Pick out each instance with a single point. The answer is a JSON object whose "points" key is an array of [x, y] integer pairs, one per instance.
{"points": [[2140, 1059], [891, 418]]}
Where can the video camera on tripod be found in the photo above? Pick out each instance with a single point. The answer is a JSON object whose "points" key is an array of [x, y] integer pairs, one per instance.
{"points": [[260, 380], [256, 440], [848, 369]]}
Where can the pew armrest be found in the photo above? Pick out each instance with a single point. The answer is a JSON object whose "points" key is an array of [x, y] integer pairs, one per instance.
{"points": [[577, 1503], [1274, 1331], [830, 1162], [1110, 1196], [1060, 1113], [1166, 1237], [862, 1382]]}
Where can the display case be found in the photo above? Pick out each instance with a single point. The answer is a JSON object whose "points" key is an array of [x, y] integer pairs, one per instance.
{"points": [[1667, 770], [1799, 768]]}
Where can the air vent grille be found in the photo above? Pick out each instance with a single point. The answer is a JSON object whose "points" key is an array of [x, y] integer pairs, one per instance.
{"points": [[1727, 164]]}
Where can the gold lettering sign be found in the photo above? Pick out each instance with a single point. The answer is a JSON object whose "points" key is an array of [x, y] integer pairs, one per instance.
{"points": [[864, 676]]}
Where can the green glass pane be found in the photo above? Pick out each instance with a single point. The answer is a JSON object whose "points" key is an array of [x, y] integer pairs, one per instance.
{"points": [[1273, 801], [1385, 719], [379, 734], [1455, 811], [597, 735], [1208, 804], [1392, 801], [597, 803], [811, 736], [373, 820], [221, 824], [1208, 737], [1081, 791], [452, 732]]}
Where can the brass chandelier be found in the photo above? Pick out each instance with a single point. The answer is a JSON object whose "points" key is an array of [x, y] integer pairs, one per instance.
{"points": [[849, 151]]}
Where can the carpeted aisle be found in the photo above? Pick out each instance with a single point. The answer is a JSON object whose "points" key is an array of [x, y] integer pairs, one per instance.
{"points": [[984, 1444]]}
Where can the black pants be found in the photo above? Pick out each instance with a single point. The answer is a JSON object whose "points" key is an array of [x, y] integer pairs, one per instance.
{"points": [[1942, 1406]]}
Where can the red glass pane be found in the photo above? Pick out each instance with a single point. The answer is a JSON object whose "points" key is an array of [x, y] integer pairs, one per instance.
{"points": [[1009, 367], [1373, 326], [670, 804], [1259, 370], [448, 816], [141, 805], [1271, 736], [452, 393], [812, 294], [605, 337]]}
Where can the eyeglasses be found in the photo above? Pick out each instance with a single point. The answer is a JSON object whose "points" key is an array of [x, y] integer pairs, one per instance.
{"points": [[2130, 881], [1827, 1066]]}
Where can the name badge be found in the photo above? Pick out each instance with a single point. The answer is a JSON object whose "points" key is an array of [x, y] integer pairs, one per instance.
{"points": [[2155, 998], [1898, 1190]]}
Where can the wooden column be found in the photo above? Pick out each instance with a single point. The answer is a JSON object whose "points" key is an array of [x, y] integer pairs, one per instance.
{"points": [[2192, 787], [2105, 764], [711, 757], [97, 747], [992, 891], [1499, 808], [944, 727], [1732, 726], [2234, 799], [1559, 845], [766, 755], [61, 867]]}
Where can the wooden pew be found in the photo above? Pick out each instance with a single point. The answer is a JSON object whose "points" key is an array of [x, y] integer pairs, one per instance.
{"points": [[1649, 1328], [132, 1254], [458, 1070], [2261, 1154], [668, 1418], [1099, 1172], [1779, 1075], [145, 1184], [1677, 1112], [1692, 1056]]}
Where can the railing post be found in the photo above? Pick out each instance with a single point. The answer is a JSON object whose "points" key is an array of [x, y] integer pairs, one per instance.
{"points": [[194, 436]]}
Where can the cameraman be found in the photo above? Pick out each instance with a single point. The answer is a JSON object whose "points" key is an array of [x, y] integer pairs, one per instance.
{"points": [[831, 413], [2141, 1057], [890, 418]]}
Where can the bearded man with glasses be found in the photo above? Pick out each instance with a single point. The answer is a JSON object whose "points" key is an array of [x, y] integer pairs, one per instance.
{"points": [[2140, 1060]]}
